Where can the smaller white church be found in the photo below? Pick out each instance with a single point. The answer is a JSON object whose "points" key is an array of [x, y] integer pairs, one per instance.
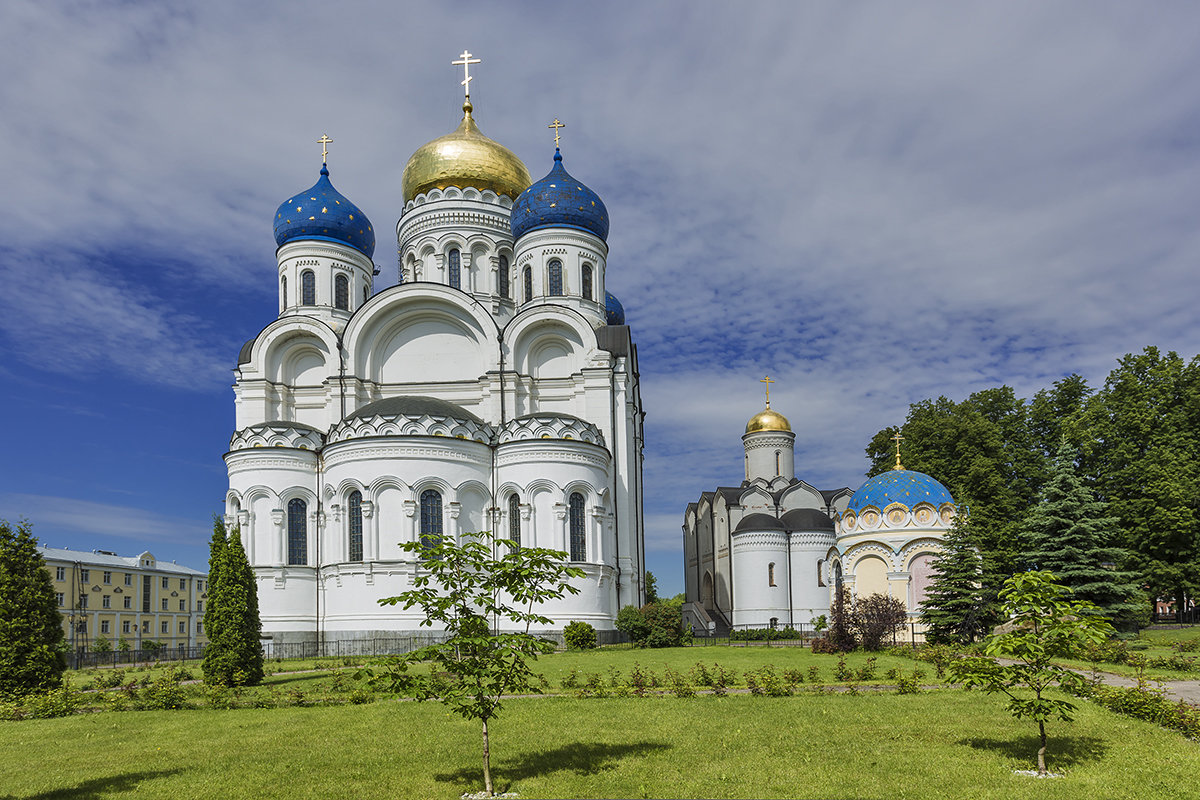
{"points": [[771, 551]]}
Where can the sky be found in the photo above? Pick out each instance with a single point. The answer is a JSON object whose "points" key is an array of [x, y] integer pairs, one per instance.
{"points": [[874, 203]]}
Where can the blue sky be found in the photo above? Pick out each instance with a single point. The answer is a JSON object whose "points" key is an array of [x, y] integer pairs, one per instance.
{"points": [[875, 203]]}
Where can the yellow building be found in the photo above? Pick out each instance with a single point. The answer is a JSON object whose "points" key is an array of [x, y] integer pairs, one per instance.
{"points": [[138, 599]]}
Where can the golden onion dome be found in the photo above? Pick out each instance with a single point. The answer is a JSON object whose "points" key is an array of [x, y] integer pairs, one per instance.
{"points": [[465, 158], [768, 420]]}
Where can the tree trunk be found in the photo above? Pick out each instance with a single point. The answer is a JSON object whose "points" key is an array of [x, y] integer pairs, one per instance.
{"points": [[1041, 750], [487, 763]]}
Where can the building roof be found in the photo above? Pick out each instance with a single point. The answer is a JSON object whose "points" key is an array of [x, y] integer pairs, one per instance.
{"points": [[904, 486], [759, 522], [97, 558], [559, 201], [324, 214], [414, 406], [806, 519]]}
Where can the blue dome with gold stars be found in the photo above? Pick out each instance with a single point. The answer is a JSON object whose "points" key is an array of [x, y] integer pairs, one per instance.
{"points": [[902, 486], [559, 201], [614, 312], [324, 214]]}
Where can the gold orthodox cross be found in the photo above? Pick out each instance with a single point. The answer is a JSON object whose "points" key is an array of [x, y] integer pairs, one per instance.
{"points": [[466, 63], [556, 125], [897, 439], [323, 141], [767, 380]]}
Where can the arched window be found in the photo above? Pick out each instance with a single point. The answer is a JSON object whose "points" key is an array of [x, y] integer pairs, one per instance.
{"points": [[820, 572], [454, 270], [308, 288], [503, 276], [777, 472], [528, 284], [556, 286], [771, 574], [355, 507], [514, 519], [578, 541], [585, 285], [367, 292], [283, 291], [297, 525], [341, 292], [431, 517]]}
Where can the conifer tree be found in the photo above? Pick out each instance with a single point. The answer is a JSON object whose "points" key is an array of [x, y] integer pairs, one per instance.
{"points": [[1068, 533], [233, 656], [32, 656], [960, 605]]}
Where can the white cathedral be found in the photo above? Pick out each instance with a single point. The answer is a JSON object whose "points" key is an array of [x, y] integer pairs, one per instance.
{"points": [[495, 387], [772, 551]]}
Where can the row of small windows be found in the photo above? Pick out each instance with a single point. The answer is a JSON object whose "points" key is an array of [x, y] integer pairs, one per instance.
{"points": [[431, 525], [308, 290], [554, 277], [85, 576], [106, 603], [554, 282]]}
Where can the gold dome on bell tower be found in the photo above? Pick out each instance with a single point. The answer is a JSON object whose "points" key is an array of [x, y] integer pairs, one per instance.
{"points": [[768, 419], [465, 158]]}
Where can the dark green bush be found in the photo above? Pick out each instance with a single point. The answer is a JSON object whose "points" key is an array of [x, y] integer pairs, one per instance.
{"points": [[631, 623], [764, 634], [579, 636]]}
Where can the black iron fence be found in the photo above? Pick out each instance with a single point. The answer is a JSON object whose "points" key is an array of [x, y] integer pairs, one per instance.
{"points": [[87, 659]]}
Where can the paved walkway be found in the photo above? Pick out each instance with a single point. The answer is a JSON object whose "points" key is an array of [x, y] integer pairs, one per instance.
{"points": [[1188, 691]]}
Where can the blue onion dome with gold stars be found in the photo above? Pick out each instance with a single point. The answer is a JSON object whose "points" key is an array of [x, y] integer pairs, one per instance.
{"points": [[324, 214], [904, 486], [614, 312], [559, 201]]}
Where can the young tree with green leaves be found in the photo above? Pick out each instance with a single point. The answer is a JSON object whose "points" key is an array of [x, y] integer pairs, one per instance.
{"points": [[233, 656], [461, 587], [1069, 534], [1044, 625], [651, 588], [32, 651], [960, 606]]}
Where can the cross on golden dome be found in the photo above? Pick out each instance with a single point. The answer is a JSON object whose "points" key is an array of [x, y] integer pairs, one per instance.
{"points": [[767, 380], [897, 439], [466, 62], [323, 141], [556, 125]]}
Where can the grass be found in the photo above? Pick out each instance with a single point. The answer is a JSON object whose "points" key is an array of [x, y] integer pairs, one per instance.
{"points": [[942, 744]]}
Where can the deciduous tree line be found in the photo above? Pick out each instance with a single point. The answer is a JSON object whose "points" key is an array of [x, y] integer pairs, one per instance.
{"points": [[1100, 486]]}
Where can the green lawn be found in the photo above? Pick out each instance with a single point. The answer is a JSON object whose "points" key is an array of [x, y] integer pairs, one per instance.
{"points": [[943, 744]]}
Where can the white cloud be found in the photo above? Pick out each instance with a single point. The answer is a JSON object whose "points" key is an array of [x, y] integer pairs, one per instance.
{"points": [[68, 515]]}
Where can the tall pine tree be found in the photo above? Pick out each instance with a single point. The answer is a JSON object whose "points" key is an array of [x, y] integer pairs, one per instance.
{"points": [[32, 656], [961, 604], [1068, 533], [233, 656]]}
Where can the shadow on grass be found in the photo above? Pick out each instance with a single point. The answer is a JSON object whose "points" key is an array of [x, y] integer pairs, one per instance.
{"points": [[580, 757], [1061, 751], [103, 787]]}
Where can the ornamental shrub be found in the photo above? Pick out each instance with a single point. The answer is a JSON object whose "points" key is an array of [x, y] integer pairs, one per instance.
{"points": [[579, 636], [631, 623], [32, 657], [665, 623]]}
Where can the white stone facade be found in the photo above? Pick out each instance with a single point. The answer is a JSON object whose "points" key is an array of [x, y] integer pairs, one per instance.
{"points": [[522, 414]]}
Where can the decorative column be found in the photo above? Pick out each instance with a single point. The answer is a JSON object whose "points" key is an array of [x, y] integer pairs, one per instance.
{"points": [[243, 523], [278, 517], [599, 548], [455, 509], [526, 511], [564, 541], [370, 531], [410, 511], [340, 552]]}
